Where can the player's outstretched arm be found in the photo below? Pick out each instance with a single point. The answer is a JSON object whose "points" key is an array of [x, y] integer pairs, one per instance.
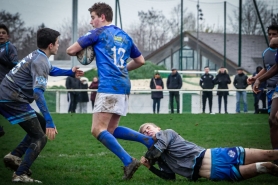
{"points": [[74, 72], [41, 103], [74, 49], [159, 173], [136, 63]]}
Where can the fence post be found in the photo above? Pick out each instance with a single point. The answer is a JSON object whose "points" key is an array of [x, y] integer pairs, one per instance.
{"points": [[181, 101], [57, 101]]}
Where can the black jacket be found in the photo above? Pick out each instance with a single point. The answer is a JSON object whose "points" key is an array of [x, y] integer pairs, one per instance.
{"points": [[174, 81], [206, 81], [222, 79], [156, 94], [240, 81], [83, 95]]}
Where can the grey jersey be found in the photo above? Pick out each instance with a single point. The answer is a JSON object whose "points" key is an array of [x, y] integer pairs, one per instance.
{"points": [[177, 153], [32, 72], [8, 58], [269, 61]]}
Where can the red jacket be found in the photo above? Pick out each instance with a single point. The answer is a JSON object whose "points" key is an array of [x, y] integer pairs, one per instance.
{"points": [[94, 85]]}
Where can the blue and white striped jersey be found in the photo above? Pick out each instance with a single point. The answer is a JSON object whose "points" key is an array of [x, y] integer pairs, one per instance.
{"points": [[30, 73], [269, 61]]}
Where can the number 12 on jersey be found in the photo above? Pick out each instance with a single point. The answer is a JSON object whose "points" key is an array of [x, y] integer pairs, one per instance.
{"points": [[119, 62]]}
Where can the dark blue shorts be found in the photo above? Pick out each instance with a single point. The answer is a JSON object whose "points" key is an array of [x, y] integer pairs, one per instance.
{"points": [[269, 99], [17, 112], [225, 163]]}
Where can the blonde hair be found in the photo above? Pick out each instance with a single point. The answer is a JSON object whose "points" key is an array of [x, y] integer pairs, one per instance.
{"points": [[218, 71], [141, 127]]}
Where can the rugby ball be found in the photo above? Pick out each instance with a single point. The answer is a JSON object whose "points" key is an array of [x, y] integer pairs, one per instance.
{"points": [[86, 55]]}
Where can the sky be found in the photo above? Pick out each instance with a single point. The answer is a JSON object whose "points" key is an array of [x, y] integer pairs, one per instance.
{"points": [[53, 13]]}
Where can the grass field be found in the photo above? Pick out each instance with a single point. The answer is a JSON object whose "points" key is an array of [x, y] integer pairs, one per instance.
{"points": [[75, 157]]}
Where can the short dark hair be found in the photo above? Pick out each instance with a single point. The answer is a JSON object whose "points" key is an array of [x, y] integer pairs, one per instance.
{"points": [[206, 67], [46, 36], [272, 27], [3, 26], [102, 8]]}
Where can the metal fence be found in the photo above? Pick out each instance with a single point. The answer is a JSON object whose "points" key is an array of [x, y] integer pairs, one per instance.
{"points": [[140, 101]]}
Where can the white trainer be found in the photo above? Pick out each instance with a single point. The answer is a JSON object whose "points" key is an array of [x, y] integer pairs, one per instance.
{"points": [[24, 178]]}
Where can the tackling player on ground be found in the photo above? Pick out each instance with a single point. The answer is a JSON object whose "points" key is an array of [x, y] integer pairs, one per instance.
{"points": [[175, 155], [112, 47]]}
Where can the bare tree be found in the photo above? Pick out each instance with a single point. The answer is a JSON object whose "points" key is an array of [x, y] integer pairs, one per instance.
{"points": [[189, 20], [15, 25], [66, 36], [250, 19]]}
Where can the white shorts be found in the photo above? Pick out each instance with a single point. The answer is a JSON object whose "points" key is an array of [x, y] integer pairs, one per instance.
{"points": [[111, 103], [275, 95]]}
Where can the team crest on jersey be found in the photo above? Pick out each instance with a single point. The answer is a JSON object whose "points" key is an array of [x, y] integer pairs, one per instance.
{"points": [[2, 50], [231, 153], [41, 80], [89, 33], [118, 39]]}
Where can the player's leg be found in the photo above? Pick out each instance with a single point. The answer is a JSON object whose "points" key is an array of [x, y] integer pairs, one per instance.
{"points": [[253, 155], [38, 141], [273, 123], [255, 169], [2, 132], [100, 124]]}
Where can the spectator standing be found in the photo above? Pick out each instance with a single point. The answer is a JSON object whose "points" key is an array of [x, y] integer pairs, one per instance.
{"points": [[156, 83], [83, 97], [207, 82], [94, 85], [222, 79], [174, 81], [72, 83], [240, 82], [261, 95]]}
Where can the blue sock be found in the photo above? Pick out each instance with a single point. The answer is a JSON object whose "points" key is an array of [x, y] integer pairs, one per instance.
{"points": [[131, 135], [112, 144], [20, 150]]}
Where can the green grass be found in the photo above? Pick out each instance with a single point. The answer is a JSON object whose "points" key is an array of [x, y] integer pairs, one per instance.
{"points": [[75, 157]]}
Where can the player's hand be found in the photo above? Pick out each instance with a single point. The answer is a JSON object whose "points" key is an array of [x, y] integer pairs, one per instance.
{"points": [[256, 86], [145, 162], [273, 43], [77, 72], [251, 80], [51, 133]]}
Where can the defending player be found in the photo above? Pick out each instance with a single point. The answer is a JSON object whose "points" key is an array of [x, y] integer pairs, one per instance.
{"points": [[175, 155], [23, 84], [269, 63], [8, 57], [112, 47]]}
